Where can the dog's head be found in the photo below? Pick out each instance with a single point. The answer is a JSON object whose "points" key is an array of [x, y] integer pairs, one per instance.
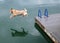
{"points": [[11, 11]]}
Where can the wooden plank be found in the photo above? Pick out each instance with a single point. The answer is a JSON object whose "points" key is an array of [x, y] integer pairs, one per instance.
{"points": [[51, 25]]}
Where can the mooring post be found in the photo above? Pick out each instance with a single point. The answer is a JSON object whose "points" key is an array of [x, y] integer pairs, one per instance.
{"points": [[46, 13], [39, 13]]}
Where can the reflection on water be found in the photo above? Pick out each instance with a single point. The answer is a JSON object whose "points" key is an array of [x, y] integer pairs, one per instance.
{"points": [[18, 33]]}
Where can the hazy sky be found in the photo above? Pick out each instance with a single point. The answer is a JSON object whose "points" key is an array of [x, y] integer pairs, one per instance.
{"points": [[37, 1], [32, 2]]}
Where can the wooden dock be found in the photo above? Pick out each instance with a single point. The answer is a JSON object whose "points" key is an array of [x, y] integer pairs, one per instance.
{"points": [[51, 26]]}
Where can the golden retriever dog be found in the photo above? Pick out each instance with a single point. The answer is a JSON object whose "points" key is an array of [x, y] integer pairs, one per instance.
{"points": [[15, 12]]}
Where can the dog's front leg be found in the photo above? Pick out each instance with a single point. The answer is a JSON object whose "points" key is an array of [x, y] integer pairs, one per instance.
{"points": [[12, 16]]}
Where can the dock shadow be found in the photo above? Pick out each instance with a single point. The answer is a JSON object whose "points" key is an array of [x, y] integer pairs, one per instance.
{"points": [[16, 33], [43, 33]]}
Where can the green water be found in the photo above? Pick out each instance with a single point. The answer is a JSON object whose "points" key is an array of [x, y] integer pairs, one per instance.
{"points": [[32, 36], [30, 33]]}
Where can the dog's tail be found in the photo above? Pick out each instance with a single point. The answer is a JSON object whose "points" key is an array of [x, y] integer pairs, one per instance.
{"points": [[25, 9]]}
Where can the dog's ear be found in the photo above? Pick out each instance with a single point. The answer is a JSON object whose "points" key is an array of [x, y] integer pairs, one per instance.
{"points": [[11, 9]]}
